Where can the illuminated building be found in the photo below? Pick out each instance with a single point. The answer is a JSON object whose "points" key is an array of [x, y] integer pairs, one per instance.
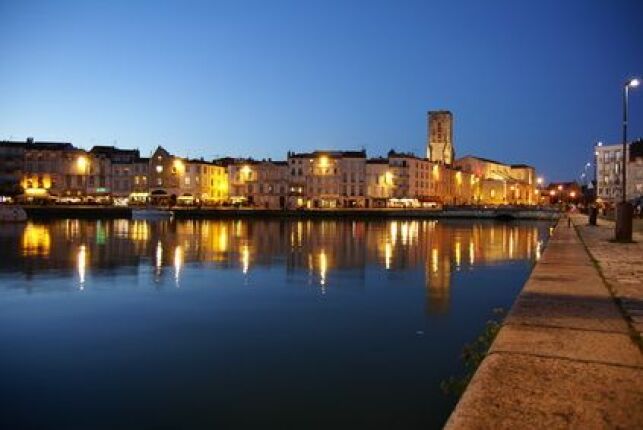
{"points": [[261, 184], [52, 170], [501, 183], [609, 164], [121, 173], [327, 179], [185, 181], [379, 182], [439, 148], [403, 180]]}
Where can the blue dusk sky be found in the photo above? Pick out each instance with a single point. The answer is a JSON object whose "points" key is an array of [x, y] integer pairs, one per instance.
{"points": [[533, 82]]}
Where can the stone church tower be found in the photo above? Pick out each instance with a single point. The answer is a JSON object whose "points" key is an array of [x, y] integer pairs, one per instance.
{"points": [[440, 137]]}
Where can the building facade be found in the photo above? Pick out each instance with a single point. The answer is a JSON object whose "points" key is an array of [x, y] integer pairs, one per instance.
{"points": [[327, 179], [609, 174], [440, 147], [12, 165], [262, 184], [177, 180], [501, 183], [121, 173]]}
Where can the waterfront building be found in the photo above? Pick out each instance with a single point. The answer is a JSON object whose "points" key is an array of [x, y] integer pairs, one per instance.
{"points": [[12, 164], [327, 179], [501, 183], [609, 175], [121, 173], [379, 182], [262, 184], [440, 148], [185, 181], [414, 180], [53, 169]]}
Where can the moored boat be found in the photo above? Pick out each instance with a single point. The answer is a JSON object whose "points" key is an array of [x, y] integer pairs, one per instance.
{"points": [[12, 214], [151, 214]]}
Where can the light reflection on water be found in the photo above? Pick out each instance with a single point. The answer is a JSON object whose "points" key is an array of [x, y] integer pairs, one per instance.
{"points": [[257, 321], [320, 247]]}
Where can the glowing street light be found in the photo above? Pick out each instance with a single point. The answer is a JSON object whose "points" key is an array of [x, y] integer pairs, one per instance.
{"points": [[623, 231], [539, 180]]}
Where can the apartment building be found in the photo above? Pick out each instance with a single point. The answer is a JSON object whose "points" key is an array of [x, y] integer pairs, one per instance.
{"points": [[121, 173], [185, 181], [609, 174], [262, 184], [12, 164], [327, 179]]}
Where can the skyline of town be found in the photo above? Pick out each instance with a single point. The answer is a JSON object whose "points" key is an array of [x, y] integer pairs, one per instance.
{"points": [[204, 78]]}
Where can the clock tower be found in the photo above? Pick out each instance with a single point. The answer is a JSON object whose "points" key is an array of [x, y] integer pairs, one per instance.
{"points": [[440, 137]]}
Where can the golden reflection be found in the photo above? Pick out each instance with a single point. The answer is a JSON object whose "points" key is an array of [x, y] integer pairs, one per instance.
{"points": [[82, 265], [158, 258], [245, 258], [434, 260], [121, 228], [223, 239], [36, 241], [178, 263], [388, 255], [309, 246], [472, 253], [72, 227], [323, 267], [140, 230]]}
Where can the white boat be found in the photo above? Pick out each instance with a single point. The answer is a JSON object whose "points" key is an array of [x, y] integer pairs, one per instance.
{"points": [[12, 214], [152, 214]]}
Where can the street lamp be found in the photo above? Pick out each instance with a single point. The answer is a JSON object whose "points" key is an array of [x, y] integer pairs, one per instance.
{"points": [[623, 231]]}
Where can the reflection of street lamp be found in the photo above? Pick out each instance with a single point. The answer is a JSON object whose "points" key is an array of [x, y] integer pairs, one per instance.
{"points": [[623, 231]]}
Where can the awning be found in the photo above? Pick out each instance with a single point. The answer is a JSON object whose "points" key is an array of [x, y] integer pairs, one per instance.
{"points": [[430, 199]]}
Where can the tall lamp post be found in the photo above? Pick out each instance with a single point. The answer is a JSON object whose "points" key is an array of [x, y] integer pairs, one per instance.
{"points": [[623, 232]]}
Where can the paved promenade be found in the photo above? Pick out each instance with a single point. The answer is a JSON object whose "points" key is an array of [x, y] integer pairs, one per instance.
{"points": [[566, 356], [620, 264]]}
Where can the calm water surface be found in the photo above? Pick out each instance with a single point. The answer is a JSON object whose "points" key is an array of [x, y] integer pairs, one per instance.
{"points": [[246, 323]]}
